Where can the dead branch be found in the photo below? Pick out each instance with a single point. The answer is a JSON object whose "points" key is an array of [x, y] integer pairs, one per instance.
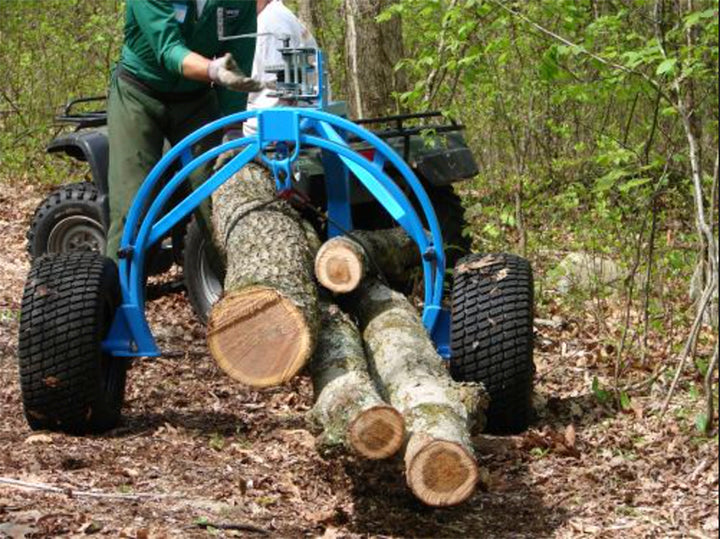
{"points": [[689, 345], [82, 493], [709, 394]]}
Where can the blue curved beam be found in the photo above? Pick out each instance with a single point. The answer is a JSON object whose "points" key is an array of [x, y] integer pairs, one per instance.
{"points": [[130, 335]]}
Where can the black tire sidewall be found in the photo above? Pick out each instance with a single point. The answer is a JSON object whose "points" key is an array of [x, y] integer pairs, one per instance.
{"points": [[492, 336], [79, 199], [193, 258], [68, 383]]}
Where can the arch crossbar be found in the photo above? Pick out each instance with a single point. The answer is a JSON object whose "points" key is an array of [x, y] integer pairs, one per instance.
{"points": [[296, 128]]}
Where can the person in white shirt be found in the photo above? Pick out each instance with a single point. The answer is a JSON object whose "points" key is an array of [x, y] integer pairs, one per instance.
{"points": [[275, 22]]}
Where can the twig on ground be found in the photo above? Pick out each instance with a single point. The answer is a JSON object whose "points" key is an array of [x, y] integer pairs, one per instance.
{"points": [[240, 526], [657, 373], [80, 493]]}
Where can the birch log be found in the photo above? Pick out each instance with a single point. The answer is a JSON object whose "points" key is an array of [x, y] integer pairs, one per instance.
{"points": [[343, 262], [347, 403], [263, 330], [440, 466]]}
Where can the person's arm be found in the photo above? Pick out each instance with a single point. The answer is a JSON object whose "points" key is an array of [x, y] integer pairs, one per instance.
{"points": [[195, 67], [156, 19], [157, 22], [243, 51]]}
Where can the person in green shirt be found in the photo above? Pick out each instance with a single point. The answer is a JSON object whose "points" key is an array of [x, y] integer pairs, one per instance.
{"points": [[174, 76]]}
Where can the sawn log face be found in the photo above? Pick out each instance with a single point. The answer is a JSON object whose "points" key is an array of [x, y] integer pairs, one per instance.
{"points": [[439, 413], [264, 329], [348, 405]]}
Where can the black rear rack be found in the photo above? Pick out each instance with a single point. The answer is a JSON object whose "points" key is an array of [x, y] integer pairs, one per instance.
{"points": [[95, 118], [400, 130], [92, 118]]}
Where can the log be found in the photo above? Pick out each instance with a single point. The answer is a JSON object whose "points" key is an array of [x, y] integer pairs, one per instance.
{"points": [[347, 404], [440, 413], [343, 262], [264, 329]]}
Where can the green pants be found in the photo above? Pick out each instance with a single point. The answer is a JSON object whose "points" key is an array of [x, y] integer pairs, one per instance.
{"points": [[138, 126]]}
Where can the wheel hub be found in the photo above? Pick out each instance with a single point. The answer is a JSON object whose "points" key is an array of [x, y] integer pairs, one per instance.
{"points": [[77, 233]]}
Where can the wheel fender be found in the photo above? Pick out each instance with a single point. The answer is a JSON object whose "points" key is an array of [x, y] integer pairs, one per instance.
{"points": [[90, 146]]}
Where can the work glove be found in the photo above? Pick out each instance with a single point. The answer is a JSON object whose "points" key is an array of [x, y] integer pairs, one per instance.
{"points": [[226, 73]]}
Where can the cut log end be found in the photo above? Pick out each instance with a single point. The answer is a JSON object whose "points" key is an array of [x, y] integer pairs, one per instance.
{"points": [[377, 433], [340, 265], [259, 337], [442, 474]]}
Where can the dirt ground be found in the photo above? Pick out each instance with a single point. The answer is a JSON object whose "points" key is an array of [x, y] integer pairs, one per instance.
{"points": [[210, 454]]}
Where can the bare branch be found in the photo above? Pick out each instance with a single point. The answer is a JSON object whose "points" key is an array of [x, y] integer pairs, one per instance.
{"points": [[709, 394], [81, 493], [710, 290]]}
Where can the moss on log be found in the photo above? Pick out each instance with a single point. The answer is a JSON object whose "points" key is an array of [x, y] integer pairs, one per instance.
{"points": [[347, 404], [440, 413]]}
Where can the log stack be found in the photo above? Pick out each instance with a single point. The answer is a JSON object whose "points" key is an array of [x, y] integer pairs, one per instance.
{"points": [[380, 385]]}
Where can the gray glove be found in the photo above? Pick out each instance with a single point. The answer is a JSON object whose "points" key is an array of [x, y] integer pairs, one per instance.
{"points": [[225, 72]]}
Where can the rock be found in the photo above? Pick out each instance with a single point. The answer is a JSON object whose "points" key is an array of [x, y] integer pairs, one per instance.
{"points": [[39, 439], [585, 271]]}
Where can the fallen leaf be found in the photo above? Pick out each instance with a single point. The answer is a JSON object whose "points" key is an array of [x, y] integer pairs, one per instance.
{"points": [[711, 524], [39, 439], [331, 533], [570, 436]]}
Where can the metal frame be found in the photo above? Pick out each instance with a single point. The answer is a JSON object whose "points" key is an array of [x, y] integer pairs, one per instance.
{"points": [[285, 131]]}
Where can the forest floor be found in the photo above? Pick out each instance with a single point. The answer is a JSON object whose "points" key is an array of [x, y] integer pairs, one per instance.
{"points": [[213, 452]]}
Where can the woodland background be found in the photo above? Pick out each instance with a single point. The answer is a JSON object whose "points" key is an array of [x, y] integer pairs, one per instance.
{"points": [[595, 123]]}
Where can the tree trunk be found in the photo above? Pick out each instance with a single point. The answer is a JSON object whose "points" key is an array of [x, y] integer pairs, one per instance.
{"points": [[309, 14], [372, 50], [263, 331], [439, 413], [342, 262], [347, 404]]}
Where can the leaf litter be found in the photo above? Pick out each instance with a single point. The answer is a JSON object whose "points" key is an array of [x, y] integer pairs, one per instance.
{"points": [[243, 460]]}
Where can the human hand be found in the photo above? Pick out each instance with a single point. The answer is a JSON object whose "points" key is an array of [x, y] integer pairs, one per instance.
{"points": [[225, 72]]}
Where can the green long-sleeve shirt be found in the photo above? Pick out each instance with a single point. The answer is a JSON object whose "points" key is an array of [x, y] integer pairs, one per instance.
{"points": [[159, 34]]}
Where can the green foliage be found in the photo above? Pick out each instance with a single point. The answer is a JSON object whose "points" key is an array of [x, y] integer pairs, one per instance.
{"points": [[603, 396], [50, 52]]}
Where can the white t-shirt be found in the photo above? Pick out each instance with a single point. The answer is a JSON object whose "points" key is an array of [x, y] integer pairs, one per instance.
{"points": [[278, 20]]}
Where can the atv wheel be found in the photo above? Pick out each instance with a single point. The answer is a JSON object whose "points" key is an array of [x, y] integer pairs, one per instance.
{"points": [[203, 284], [492, 335], [69, 219], [68, 384]]}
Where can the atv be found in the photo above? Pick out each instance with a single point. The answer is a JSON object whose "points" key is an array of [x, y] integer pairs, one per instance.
{"points": [[83, 316], [75, 216]]}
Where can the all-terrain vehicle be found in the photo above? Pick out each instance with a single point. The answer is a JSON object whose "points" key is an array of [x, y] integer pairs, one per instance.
{"points": [[75, 216], [83, 317]]}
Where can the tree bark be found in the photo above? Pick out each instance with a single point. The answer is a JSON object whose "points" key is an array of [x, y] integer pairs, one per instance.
{"points": [[347, 403], [264, 329], [308, 13], [441, 469], [372, 50], [342, 262]]}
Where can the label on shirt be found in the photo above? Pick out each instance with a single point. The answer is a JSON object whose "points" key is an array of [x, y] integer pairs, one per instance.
{"points": [[180, 12]]}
